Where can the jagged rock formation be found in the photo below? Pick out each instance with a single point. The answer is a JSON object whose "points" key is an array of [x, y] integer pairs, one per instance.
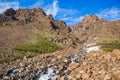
{"points": [[93, 27], [31, 15]]}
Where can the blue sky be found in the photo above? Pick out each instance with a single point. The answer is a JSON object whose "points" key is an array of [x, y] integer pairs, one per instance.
{"points": [[71, 11]]}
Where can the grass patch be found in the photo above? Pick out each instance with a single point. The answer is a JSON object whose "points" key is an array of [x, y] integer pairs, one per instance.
{"points": [[109, 47], [15, 57], [31, 50], [36, 35], [42, 46], [105, 65], [6, 59]]}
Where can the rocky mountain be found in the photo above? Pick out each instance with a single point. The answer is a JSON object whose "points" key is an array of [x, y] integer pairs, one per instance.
{"points": [[37, 15], [23, 25], [93, 27], [26, 35]]}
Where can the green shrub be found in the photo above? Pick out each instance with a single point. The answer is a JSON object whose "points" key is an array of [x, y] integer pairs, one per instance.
{"points": [[42, 46], [31, 50], [109, 47]]}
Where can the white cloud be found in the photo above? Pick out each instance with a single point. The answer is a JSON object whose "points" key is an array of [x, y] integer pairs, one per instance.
{"points": [[52, 8], [6, 5], [72, 20], [109, 14], [70, 16], [39, 3]]}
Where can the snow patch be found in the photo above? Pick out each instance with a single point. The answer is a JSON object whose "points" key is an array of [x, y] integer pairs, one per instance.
{"points": [[92, 48]]}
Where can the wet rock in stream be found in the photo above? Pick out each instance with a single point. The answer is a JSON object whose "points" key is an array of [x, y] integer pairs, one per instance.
{"points": [[47, 73]]}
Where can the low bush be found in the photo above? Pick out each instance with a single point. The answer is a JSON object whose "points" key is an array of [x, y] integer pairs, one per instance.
{"points": [[109, 47], [42, 46], [31, 50]]}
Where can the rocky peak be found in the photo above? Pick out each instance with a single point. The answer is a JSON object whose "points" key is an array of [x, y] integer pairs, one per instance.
{"points": [[90, 19], [30, 14], [10, 12], [35, 14], [50, 17]]}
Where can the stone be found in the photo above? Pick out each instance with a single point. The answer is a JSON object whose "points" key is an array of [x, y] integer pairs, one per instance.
{"points": [[72, 66], [65, 60], [98, 54], [53, 60], [21, 64], [57, 71], [113, 59], [84, 63], [118, 77], [85, 76], [116, 52], [25, 57], [81, 71], [60, 56], [108, 56], [109, 68], [107, 77], [94, 73], [102, 72], [78, 76]]}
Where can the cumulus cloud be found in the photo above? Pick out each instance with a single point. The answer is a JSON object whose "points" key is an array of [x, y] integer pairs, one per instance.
{"points": [[109, 13], [52, 8], [6, 5]]}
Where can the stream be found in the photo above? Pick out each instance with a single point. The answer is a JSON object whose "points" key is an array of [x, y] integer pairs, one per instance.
{"points": [[47, 73]]}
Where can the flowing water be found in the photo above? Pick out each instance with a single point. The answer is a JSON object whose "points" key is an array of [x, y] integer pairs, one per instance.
{"points": [[45, 73]]}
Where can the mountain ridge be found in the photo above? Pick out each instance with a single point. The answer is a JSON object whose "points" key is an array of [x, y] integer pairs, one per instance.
{"points": [[19, 14], [26, 35], [35, 22]]}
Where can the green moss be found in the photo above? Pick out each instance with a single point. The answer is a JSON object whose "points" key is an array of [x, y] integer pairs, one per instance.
{"points": [[42, 46]]}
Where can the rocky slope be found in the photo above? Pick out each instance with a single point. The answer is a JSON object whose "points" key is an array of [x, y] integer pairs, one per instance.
{"points": [[63, 65], [77, 61], [28, 25]]}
